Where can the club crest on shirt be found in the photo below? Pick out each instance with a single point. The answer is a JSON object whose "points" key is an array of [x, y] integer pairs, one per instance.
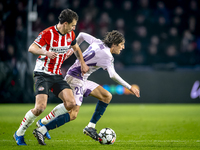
{"points": [[38, 38], [41, 88], [69, 40]]}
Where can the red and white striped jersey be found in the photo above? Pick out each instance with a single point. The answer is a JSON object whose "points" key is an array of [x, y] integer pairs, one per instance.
{"points": [[52, 40]]}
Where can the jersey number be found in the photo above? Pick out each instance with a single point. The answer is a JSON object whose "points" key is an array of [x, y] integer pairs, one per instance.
{"points": [[79, 90], [89, 54]]}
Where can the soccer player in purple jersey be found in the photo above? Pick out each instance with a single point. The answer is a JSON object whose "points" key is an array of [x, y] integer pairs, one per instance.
{"points": [[97, 55]]}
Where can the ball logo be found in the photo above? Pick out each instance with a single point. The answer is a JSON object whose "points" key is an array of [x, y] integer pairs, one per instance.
{"points": [[41, 88], [113, 140], [195, 92]]}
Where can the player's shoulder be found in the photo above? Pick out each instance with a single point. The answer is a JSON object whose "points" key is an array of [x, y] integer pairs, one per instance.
{"points": [[104, 51], [47, 30], [73, 35]]}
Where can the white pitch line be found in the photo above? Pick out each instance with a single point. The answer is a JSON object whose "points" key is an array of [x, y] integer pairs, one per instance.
{"points": [[129, 141]]}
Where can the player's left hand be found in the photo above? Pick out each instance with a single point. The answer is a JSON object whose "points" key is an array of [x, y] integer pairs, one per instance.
{"points": [[135, 91], [69, 53]]}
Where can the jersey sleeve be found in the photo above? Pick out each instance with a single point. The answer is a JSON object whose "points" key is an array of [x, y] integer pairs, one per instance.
{"points": [[85, 37], [73, 38], [42, 39]]}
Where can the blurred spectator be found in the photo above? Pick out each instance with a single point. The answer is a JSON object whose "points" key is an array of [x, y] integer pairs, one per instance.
{"points": [[91, 9], [161, 10], [126, 12], [193, 9], [51, 19], [2, 43], [108, 6], [120, 26], [56, 6], [102, 32], [178, 19], [104, 20], [136, 55], [104, 24], [86, 24], [20, 38], [187, 41], [42, 8], [38, 25], [76, 6], [144, 9]]}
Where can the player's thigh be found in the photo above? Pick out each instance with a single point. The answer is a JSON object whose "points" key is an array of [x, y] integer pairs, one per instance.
{"points": [[74, 112], [101, 94]]}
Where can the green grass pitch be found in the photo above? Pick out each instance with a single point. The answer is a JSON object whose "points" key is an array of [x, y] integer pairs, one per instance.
{"points": [[137, 126]]}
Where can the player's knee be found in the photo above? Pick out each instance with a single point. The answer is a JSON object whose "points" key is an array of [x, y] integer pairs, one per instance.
{"points": [[69, 104], [73, 116], [107, 97], [38, 110]]}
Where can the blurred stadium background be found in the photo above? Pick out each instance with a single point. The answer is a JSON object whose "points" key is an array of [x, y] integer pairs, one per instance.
{"points": [[161, 56]]}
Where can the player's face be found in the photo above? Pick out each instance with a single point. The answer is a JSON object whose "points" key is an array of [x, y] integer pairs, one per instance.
{"points": [[71, 26], [118, 48]]}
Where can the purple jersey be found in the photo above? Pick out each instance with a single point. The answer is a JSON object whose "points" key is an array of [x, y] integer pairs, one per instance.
{"points": [[96, 56]]}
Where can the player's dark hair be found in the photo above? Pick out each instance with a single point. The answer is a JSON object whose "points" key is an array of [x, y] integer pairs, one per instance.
{"points": [[113, 37], [67, 15]]}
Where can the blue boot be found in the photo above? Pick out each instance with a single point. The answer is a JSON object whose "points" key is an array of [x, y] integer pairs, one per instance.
{"points": [[19, 139]]}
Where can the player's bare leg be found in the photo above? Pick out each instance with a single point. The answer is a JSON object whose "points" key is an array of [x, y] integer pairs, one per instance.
{"points": [[56, 118], [31, 115]]}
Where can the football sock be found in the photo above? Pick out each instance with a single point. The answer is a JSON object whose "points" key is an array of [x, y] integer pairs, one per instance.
{"points": [[100, 109], [26, 122], [58, 121], [93, 125], [42, 129], [57, 111]]}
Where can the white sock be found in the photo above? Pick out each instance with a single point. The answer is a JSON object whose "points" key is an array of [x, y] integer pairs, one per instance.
{"points": [[26, 122], [58, 110], [42, 129], [91, 125]]}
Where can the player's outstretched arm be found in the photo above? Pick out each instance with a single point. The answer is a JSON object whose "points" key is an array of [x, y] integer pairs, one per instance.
{"points": [[114, 76]]}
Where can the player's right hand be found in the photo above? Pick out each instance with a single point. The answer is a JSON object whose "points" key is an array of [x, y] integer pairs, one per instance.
{"points": [[84, 68], [51, 55]]}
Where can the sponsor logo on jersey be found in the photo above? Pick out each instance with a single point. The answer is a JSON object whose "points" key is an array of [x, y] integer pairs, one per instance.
{"points": [[60, 50], [41, 88]]}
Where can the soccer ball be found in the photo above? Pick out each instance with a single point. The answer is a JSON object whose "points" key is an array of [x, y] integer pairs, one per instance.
{"points": [[107, 136]]}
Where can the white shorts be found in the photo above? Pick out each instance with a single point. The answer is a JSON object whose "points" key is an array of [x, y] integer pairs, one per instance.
{"points": [[80, 88]]}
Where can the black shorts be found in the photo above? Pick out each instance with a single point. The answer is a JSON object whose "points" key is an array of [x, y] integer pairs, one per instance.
{"points": [[44, 83]]}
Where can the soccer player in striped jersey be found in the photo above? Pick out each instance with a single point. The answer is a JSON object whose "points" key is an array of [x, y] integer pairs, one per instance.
{"points": [[97, 55], [52, 45]]}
